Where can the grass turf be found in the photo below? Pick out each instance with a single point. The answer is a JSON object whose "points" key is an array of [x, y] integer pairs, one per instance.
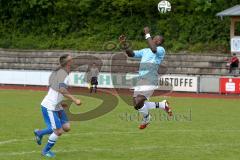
{"points": [[202, 129]]}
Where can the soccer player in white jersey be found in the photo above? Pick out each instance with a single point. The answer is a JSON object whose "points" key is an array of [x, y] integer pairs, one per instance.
{"points": [[151, 59], [52, 107]]}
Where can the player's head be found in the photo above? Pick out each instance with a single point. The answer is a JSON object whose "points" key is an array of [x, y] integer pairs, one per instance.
{"points": [[158, 40], [234, 54], [94, 64], [65, 61]]}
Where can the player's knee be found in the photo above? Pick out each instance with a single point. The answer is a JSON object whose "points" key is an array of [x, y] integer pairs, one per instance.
{"points": [[138, 105], [139, 102], [59, 132], [66, 128]]}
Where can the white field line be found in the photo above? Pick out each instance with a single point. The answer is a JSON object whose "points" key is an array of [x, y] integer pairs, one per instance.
{"points": [[123, 150], [13, 141], [149, 131], [120, 149], [120, 133]]}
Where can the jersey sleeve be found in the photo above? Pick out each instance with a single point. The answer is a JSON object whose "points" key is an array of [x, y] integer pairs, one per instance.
{"points": [[138, 53], [58, 79], [160, 52], [63, 79], [64, 83]]}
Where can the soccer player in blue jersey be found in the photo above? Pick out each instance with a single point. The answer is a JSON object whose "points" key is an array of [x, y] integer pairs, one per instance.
{"points": [[52, 107], [151, 59]]}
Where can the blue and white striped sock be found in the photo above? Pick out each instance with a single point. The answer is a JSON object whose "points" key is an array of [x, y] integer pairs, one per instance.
{"points": [[51, 141]]}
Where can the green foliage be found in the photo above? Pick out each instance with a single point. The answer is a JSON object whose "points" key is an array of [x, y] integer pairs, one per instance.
{"points": [[88, 24]]}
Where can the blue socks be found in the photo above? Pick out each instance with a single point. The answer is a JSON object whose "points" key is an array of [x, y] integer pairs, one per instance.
{"points": [[51, 141], [45, 131]]}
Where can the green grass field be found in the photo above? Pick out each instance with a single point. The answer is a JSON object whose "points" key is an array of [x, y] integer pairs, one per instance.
{"points": [[204, 129]]}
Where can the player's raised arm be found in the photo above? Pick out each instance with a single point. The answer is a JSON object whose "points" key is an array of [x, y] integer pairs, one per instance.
{"points": [[148, 37], [129, 51]]}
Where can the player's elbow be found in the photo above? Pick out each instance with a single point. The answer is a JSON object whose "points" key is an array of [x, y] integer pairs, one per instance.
{"points": [[62, 91], [66, 129]]}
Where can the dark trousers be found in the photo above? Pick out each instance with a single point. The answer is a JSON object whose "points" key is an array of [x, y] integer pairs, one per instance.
{"points": [[233, 67], [94, 82]]}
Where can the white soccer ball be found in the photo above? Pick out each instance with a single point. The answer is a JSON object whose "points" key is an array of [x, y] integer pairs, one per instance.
{"points": [[164, 6]]}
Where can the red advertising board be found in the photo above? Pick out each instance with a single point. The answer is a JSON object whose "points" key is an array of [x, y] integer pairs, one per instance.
{"points": [[230, 85]]}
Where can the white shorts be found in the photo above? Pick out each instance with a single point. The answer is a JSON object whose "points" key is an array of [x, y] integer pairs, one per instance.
{"points": [[144, 88]]}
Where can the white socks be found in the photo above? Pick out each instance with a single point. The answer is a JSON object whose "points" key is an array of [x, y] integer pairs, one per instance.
{"points": [[53, 137], [154, 105], [151, 105]]}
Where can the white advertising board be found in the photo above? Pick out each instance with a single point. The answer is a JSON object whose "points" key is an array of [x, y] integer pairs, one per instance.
{"points": [[179, 83], [235, 44], [24, 77], [105, 80]]}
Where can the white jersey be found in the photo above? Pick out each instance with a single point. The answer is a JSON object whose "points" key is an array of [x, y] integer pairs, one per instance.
{"points": [[53, 99]]}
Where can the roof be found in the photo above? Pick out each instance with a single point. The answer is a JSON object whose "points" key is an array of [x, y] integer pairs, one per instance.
{"points": [[234, 11]]}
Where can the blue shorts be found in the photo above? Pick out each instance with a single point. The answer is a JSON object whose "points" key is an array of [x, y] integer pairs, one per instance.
{"points": [[54, 119]]}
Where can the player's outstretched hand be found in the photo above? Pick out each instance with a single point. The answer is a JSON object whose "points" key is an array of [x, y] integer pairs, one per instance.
{"points": [[77, 102], [146, 30], [122, 38]]}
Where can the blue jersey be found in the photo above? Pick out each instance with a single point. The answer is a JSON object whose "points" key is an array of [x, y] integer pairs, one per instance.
{"points": [[150, 62]]}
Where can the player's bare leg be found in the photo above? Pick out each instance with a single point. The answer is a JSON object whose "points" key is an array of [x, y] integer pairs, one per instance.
{"points": [[95, 89], [66, 127], [91, 88]]}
